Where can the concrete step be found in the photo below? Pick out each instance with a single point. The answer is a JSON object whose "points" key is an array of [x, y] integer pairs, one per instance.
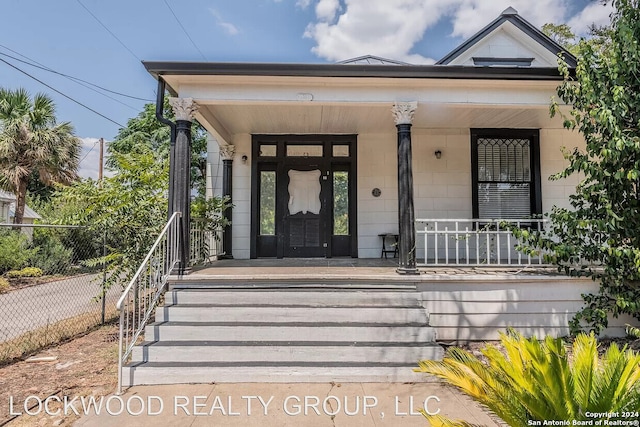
{"points": [[255, 332], [240, 283], [300, 298], [200, 331], [199, 373], [293, 352], [270, 314]]}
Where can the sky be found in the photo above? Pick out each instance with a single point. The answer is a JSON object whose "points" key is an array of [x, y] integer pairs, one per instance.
{"points": [[102, 43]]}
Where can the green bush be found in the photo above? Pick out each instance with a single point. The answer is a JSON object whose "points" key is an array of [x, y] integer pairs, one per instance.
{"points": [[4, 285], [14, 250], [51, 256], [533, 381], [25, 272]]}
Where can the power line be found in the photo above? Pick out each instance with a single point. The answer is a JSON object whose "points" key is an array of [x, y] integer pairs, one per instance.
{"points": [[37, 64], [184, 30], [61, 93], [108, 30], [73, 80], [90, 150]]}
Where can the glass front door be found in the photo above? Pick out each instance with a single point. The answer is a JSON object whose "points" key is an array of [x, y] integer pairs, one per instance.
{"points": [[303, 196]]}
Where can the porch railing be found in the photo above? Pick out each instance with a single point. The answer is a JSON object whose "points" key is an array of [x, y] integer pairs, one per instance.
{"points": [[206, 244], [473, 242], [141, 296]]}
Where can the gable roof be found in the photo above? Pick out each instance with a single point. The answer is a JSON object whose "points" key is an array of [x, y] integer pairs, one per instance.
{"points": [[10, 198], [510, 15], [371, 60]]}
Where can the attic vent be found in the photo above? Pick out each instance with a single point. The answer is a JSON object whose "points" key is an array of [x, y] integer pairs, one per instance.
{"points": [[502, 62]]}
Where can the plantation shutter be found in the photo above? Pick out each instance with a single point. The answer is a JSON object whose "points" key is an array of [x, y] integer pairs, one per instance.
{"points": [[504, 185]]}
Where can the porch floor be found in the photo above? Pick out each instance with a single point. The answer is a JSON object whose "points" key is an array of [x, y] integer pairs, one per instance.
{"points": [[361, 269]]}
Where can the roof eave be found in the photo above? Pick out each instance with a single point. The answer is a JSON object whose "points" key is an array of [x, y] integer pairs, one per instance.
{"points": [[160, 68]]}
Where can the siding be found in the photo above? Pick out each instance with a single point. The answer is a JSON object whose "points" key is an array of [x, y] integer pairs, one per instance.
{"points": [[478, 308]]}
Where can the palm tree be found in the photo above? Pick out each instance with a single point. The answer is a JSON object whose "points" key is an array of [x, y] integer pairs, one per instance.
{"points": [[32, 142], [534, 380]]}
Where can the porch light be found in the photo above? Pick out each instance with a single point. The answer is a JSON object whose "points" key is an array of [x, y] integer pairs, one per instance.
{"points": [[438, 154]]}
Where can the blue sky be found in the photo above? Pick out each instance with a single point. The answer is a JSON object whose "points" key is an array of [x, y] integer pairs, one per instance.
{"points": [[69, 36]]}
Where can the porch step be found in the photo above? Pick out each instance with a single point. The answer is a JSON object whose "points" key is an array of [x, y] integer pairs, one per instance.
{"points": [[284, 351], [291, 334], [301, 298], [274, 314], [299, 332], [206, 373]]}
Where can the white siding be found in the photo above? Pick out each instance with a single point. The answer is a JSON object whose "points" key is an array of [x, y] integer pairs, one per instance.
{"points": [[241, 220], [477, 309], [377, 168]]}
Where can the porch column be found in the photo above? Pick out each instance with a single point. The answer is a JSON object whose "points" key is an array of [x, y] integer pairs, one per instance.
{"points": [[227, 152], [403, 116], [184, 109]]}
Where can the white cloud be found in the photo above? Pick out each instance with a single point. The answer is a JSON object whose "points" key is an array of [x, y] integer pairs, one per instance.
{"points": [[326, 9], [470, 16], [387, 28], [346, 29], [90, 158], [594, 13], [228, 27]]}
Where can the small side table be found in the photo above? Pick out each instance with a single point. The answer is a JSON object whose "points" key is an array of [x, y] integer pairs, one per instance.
{"points": [[394, 246]]}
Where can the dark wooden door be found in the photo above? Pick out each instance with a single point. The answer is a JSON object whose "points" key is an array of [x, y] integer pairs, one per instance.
{"points": [[305, 211]]}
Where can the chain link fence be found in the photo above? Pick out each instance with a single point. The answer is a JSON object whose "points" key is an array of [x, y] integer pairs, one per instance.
{"points": [[51, 287]]}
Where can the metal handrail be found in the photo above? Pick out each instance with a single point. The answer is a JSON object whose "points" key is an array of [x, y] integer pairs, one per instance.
{"points": [[141, 295]]}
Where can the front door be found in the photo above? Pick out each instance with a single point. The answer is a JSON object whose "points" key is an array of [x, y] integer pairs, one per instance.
{"points": [[305, 214], [303, 196]]}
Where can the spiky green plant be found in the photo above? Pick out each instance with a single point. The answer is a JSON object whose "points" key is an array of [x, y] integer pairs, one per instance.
{"points": [[632, 331], [539, 380]]}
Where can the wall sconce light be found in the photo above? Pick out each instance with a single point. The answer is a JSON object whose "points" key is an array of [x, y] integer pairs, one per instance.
{"points": [[244, 158], [438, 154]]}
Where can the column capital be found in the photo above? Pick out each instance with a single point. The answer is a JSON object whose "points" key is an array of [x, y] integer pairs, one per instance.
{"points": [[227, 152], [403, 112], [184, 108]]}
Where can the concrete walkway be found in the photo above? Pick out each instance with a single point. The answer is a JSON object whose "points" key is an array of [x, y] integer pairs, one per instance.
{"points": [[300, 404]]}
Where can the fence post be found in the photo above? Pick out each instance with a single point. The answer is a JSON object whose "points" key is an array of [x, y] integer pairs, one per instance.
{"points": [[104, 274]]}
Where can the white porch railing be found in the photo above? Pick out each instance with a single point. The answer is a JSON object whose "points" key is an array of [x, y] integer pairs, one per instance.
{"points": [[206, 245], [141, 296], [473, 242]]}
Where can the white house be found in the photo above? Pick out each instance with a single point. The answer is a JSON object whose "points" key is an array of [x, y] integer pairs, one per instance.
{"points": [[314, 156], [333, 160], [7, 209]]}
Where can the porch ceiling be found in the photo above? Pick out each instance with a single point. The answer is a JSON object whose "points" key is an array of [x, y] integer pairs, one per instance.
{"points": [[307, 118]]}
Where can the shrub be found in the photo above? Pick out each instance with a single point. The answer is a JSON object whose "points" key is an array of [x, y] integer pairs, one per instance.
{"points": [[534, 381], [25, 272], [14, 250], [4, 285], [51, 256]]}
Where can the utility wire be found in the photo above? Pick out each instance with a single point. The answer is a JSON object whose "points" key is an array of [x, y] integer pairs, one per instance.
{"points": [[108, 30], [61, 93], [90, 150], [37, 64], [73, 80], [184, 30]]}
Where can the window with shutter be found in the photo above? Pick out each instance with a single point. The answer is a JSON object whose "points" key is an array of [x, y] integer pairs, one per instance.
{"points": [[506, 173]]}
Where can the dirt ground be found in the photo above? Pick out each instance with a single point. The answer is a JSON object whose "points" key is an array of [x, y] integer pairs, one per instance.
{"points": [[84, 366]]}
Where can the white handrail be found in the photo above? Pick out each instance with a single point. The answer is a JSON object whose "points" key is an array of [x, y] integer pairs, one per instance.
{"points": [[141, 295]]}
